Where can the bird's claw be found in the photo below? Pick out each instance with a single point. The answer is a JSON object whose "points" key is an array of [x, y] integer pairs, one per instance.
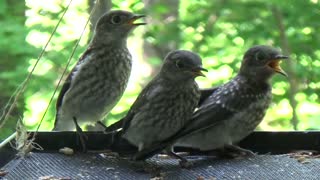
{"points": [[82, 137], [233, 151], [248, 153]]}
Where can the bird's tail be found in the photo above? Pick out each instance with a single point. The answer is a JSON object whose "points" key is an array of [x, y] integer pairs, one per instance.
{"points": [[115, 127], [115, 130]]}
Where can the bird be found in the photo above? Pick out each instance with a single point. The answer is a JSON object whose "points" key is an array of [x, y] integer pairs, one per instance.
{"points": [[233, 110], [166, 103], [98, 80]]}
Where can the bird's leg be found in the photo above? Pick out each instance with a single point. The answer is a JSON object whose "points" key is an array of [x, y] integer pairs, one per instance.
{"points": [[81, 135], [101, 124], [236, 151], [184, 163]]}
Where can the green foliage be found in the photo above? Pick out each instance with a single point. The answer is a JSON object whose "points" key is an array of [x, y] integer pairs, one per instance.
{"points": [[219, 30], [14, 55]]}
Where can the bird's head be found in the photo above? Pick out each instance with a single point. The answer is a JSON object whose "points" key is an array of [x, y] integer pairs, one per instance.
{"points": [[182, 65], [261, 62], [116, 25]]}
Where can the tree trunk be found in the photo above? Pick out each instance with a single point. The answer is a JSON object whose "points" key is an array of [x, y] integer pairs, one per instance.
{"points": [[102, 7], [216, 8], [290, 66], [163, 27], [14, 14]]}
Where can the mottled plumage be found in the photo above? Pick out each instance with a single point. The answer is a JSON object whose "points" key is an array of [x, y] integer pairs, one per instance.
{"points": [[236, 108], [100, 77], [233, 110], [166, 103], [205, 93]]}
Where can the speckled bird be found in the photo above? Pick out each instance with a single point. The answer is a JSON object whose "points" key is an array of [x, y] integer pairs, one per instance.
{"points": [[100, 77], [233, 110], [166, 104]]}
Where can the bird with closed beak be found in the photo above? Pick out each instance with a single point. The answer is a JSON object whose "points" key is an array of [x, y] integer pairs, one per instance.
{"points": [[166, 104], [99, 78], [233, 110]]}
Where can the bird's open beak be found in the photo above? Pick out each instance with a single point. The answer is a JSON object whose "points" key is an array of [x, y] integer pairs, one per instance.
{"points": [[134, 18], [275, 64], [198, 71]]}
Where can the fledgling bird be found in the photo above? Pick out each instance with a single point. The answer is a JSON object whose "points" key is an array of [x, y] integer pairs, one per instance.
{"points": [[98, 80], [233, 110], [166, 104]]}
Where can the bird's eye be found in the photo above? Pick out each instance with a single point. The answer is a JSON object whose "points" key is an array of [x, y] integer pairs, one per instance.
{"points": [[179, 64], [260, 56], [116, 19]]}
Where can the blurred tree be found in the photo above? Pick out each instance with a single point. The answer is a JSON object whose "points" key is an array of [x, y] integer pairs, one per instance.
{"points": [[293, 89], [219, 30], [52, 64], [14, 54], [102, 7], [163, 34], [163, 31]]}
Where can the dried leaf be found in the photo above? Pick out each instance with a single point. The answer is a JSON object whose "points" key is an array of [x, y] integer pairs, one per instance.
{"points": [[24, 144]]}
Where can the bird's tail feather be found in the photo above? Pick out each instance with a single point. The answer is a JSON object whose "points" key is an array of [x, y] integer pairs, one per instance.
{"points": [[115, 127]]}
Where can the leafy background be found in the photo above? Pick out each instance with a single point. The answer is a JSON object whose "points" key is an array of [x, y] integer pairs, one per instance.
{"points": [[219, 30]]}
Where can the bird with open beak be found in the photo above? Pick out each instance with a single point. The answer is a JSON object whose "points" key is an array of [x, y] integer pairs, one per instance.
{"points": [[99, 79], [233, 110]]}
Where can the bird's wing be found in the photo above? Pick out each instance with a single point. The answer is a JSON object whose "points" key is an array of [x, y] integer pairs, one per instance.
{"points": [[206, 117], [205, 93], [119, 128], [66, 85], [143, 100]]}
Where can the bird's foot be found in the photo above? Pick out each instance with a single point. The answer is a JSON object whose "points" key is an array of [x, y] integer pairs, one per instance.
{"points": [[82, 137], [83, 141], [233, 151], [184, 163]]}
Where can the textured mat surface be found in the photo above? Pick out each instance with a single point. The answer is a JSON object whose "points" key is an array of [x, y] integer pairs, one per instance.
{"points": [[95, 166]]}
